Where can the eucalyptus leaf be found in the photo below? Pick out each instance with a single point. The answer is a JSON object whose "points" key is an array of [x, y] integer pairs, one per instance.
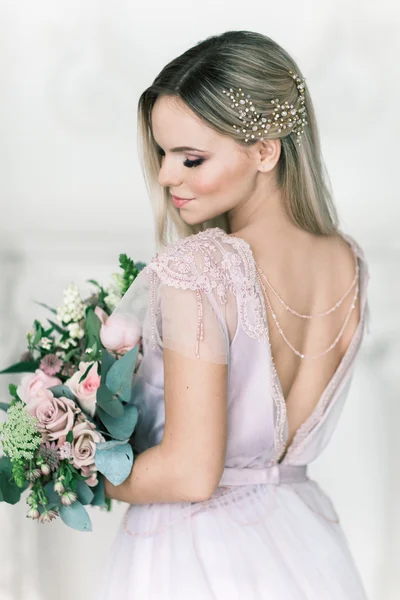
{"points": [[99, 498], [119, 377], [76, 516], [5, 465], [110, 405], [115, 463], [63, 391], [21, 367], [52, 496], [111, 444], [4, 406], [9, 491], [122, 427], [92, 328], [107, 361], [84, 492]]}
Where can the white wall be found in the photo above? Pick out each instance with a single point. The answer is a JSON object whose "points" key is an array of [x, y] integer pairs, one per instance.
{"points": [[72, 198]]}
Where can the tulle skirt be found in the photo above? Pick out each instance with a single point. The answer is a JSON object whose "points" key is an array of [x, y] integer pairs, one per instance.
{"points": [[248, 542]]}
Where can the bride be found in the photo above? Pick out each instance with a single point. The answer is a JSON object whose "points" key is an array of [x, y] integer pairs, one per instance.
{"points": [[251, 315]]}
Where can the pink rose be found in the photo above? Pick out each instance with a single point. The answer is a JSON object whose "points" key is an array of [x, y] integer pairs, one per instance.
{"points": [[118, 333], [33, 382], [55, 415], [84, 449], [86, 390]]}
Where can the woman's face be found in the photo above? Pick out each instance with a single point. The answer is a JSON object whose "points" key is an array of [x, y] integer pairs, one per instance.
{"points": [[216, 173]]}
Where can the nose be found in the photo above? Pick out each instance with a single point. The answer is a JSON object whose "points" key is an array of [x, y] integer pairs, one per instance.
{"points": [[170, 174]]}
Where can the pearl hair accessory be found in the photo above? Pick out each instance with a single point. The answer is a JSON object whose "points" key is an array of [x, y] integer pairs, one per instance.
{"points": [[285, 116]]}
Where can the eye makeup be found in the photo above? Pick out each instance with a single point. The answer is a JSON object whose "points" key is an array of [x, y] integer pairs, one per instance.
{"points": [[187, 163]]}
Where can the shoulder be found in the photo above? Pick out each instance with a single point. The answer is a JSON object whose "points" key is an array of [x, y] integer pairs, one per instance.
{"points": [[200, 261], [358, 251]]}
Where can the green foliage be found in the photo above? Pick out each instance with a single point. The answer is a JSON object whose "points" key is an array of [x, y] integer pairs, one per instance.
{"points": [[53, 499], [21, 367], [92, 330], [107, 361], [38, 334], [84, 493], [85, 374], [56, 327], [62, 391], [119, 377], [114, 460], [130, 271], [10, 492], [12, 388], [53, 310], [120, 428], [76, 516], [105, 400], [99, 498], [18, 472]]}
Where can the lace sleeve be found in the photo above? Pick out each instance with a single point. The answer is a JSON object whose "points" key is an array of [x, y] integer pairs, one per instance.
{"points": [[181, 300]]}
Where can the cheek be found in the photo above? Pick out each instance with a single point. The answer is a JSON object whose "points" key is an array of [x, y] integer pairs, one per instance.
{"points": [[218, 178]]}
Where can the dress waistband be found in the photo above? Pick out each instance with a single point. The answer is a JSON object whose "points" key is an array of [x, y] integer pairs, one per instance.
{"points": [[275, 474]]}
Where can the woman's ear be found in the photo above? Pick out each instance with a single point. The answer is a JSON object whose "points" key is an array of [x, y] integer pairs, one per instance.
{"points": [[267, 154]]}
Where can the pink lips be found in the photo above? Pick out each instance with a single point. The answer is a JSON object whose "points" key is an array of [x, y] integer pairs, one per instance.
{"points": [[179, 202]]}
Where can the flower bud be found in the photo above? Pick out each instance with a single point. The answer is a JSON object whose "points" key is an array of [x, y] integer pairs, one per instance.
{"points": [[45, 469], [32, 475], [33, 513], [58, 487], [48, 515], [68, 498]]}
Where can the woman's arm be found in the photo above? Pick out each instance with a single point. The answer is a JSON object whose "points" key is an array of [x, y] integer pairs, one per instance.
{"points": [[188, 463]]}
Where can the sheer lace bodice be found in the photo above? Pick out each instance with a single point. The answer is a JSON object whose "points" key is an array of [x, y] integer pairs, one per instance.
{"points": [[203, 299]]}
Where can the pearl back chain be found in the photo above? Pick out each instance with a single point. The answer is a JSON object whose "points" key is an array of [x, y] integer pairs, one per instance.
{"points": [[260, 276]]}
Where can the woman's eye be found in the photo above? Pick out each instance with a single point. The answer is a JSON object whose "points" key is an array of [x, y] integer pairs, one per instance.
{"points": [[187, 163], [193, 163]]}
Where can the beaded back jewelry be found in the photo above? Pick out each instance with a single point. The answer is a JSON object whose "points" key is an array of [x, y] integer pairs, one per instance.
{"points": [[284, 115]]}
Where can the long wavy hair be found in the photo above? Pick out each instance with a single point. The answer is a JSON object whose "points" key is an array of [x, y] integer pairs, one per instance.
{"points": [[258, 65]]}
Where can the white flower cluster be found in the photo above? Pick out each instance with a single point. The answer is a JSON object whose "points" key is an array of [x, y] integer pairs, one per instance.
{"points": [[114, 291], [67, 344], [73, 309], [75, 331], [46, 343]]}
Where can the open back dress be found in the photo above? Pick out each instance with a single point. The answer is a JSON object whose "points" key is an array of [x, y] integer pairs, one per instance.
{"points": [[269, 532]]}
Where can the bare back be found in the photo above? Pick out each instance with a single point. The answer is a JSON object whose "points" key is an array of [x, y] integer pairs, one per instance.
{"points": [[310, 275]]}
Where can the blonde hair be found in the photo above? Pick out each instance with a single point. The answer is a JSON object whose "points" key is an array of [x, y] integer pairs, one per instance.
{"points": [[258, 65]]}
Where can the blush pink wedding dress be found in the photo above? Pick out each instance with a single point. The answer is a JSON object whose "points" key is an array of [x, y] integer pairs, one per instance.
{"points": [[269, 532]]}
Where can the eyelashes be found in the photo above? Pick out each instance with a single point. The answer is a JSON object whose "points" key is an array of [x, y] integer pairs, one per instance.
{"points": [[193, 163], [187, 163]]}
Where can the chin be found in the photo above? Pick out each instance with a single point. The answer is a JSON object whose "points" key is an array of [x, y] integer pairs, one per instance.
{"points": [[192, 219]]}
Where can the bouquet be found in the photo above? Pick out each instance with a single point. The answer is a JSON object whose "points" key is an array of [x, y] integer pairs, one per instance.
{"points": [[70, 419]]}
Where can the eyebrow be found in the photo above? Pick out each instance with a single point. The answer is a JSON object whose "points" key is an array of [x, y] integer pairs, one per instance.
{"points": [[183, 149]]}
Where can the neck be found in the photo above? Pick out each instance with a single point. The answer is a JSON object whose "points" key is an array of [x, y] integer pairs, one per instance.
{"points": [[263, 213]]}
